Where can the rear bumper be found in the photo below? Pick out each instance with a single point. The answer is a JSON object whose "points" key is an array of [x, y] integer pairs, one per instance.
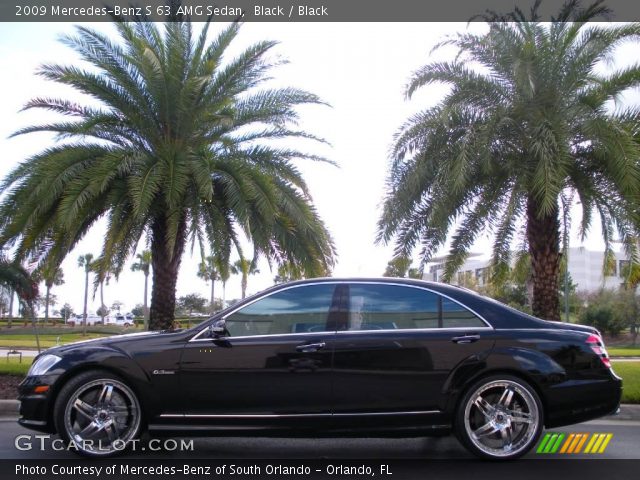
{"points": [[579, 401]]}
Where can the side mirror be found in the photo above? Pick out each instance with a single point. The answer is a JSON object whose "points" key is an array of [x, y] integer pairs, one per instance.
{"points": [[218, 328]]}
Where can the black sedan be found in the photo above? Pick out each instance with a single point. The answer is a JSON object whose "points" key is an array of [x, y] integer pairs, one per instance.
{"points": [[330, 357]]}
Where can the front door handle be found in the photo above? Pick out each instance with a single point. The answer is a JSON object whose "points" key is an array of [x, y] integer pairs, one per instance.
{"points": [[310, 347], [466, 339]]}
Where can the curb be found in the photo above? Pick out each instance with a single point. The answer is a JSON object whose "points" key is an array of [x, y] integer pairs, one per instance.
{"points": [[9, 407], [627, 412]]}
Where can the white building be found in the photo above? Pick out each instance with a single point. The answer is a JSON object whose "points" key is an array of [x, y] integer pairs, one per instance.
{"points": [[585, 268]]}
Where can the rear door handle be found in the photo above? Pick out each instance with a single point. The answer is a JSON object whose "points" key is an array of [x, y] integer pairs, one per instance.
{"points": [[310, 347], [466, 339]]}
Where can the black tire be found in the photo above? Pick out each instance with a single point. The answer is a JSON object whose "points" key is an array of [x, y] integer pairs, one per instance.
{"points": [[97, 404], [506, 431]]}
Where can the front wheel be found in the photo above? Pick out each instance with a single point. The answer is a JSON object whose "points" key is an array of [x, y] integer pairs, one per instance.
{"points": [[97, 414], [500, 418]]}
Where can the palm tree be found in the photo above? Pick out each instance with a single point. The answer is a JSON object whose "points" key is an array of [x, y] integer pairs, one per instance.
{"points": [[175, 146], [103, 273], [15, 278], [51, 277], [144, 265], [86, 262], [287, 272], [245, 268], [513, 141], [223, 266], [208, 271]]}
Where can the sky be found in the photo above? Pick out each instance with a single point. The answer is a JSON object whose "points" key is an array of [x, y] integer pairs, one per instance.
{"points": [[360, 69]]}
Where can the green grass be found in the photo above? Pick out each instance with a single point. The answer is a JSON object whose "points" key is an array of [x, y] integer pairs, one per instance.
{"points": [[13, 367], [46, 341], [624, 351], [630, 373]]}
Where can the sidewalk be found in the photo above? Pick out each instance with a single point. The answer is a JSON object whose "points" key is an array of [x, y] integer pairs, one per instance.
{"points": [[26, 353]]}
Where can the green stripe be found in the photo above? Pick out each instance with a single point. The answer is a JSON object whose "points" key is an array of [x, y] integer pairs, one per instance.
{"points": [[558, 442], [547, 449], [543, 442]]}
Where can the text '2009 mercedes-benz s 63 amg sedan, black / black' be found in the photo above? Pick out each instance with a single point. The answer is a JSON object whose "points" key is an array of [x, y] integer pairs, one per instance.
{"points": [[331, 357]]}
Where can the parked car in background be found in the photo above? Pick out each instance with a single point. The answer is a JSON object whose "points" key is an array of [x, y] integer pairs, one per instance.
{"points": [[122, 319], [331, 357], [92, 319]]}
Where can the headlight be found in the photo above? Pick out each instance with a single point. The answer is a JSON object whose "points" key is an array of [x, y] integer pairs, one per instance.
{"points": [[43, 364]]}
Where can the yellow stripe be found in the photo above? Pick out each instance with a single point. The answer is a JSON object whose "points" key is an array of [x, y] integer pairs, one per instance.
{"points": [[574, 443], [567, 442], [584, 439], [598, 442], [590, 444], [606, 442]]}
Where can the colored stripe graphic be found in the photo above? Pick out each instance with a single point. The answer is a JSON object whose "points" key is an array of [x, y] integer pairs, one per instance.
{"points": [[543, 443], [573, 443], [606, 442], [582, 440]]}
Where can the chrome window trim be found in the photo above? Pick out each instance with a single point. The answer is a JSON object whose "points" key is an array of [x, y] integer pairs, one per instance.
{"points": [[357, 282]]}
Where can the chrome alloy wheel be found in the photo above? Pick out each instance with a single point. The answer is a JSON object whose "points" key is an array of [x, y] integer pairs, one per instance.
{"points": [[501, 418], [102, 416]]}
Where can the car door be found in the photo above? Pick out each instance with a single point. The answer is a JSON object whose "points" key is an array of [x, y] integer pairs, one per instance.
{"points": [[399, 346], [274, 363]]}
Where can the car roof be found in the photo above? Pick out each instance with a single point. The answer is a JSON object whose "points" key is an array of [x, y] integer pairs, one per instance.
{"points": [[494, 312]]}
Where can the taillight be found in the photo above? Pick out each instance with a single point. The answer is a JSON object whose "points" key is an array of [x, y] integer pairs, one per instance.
{"points": [[597, 345]]}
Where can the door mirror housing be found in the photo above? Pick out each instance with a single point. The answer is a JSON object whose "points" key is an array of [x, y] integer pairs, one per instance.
{"points": [[217, 328]]}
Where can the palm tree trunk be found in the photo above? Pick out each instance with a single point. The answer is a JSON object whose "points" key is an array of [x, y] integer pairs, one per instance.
{"points": [[46, 305], [224, 295], [213, 286], [10, 319], [86, 297], [102, 301], [165, 274], [244, 285], [146, 304], [543, 235]]}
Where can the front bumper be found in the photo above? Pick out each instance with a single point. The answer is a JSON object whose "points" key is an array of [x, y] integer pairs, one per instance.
{"points": [[36, 408]]}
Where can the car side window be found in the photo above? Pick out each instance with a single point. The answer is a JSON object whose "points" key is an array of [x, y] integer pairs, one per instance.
{"points": [[389, 307], [300, 309], [455, 315]]}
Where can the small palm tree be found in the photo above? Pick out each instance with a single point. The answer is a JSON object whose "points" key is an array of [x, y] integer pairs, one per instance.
{"points": [[526, 125], [14, 277], [54, 276], [144, 265], [85, 262], [208, 271], [103, 272], [223, 266], [245, 268]]}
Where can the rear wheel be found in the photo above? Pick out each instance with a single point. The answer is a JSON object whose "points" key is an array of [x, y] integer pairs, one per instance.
{"points": [[97, 413], [500, 417]]}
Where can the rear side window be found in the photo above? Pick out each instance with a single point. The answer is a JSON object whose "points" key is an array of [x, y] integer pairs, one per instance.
{"points": [[390, 307], [455, 315]]}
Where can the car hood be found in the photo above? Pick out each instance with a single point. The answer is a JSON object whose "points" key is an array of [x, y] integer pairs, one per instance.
{"points": [[112, 340]]}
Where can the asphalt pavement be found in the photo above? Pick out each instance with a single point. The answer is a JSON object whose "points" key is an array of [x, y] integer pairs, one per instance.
{"points": [[625, 444]]}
